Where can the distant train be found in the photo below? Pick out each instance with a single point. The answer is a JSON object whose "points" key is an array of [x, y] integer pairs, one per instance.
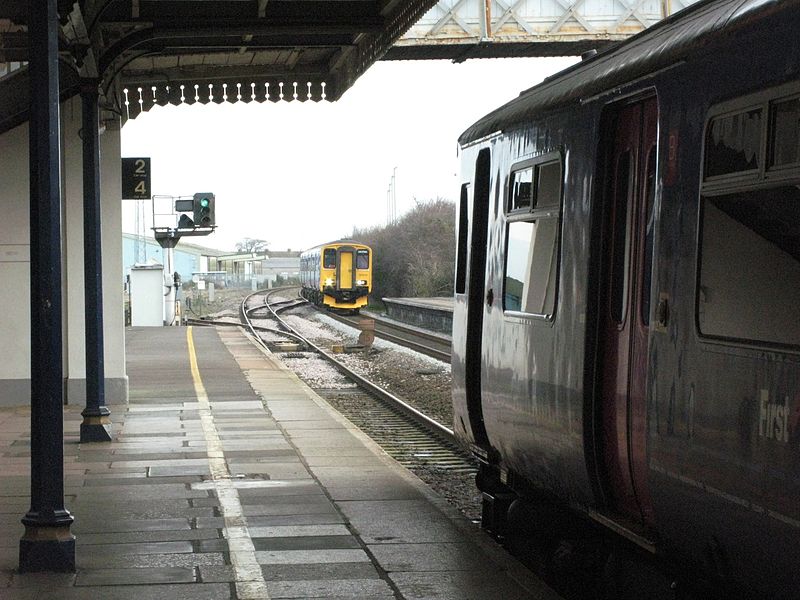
{"points": [[626, 343], [337, 275]]}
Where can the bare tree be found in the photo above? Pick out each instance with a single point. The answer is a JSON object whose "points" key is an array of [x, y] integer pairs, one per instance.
{"points": [[416, 255], [250, 245]]}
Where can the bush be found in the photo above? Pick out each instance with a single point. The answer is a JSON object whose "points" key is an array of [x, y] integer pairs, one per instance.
{"points": [[415, 256]]}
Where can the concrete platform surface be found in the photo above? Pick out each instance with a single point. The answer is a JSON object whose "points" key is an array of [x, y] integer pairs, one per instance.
{"points": [[228, 478]]}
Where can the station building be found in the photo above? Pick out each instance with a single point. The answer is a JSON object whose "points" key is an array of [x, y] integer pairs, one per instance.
{"points": [[263, 268], [189, 259]]}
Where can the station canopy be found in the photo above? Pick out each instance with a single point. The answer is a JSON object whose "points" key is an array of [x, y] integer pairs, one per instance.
{"points": [[147, 52]]}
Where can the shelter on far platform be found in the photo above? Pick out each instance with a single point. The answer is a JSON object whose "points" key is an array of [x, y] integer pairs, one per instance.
{"points": [[265, 268]]}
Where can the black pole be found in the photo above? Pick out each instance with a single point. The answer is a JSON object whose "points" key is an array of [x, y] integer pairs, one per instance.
{"points": [[96, 426], [48, 544]]}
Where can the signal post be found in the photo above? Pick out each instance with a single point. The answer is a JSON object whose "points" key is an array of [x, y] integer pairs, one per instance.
{"points": [[202, 222]]}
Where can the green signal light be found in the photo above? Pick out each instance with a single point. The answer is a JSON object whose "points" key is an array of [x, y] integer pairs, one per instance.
{"points": [[203, 210]]}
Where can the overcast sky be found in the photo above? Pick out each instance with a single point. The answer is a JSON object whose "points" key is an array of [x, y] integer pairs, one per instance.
{"points": [[298, 174]]}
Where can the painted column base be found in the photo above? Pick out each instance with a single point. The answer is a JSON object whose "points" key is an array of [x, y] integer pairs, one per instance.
{"points": [[47, 549], [96, 427]]}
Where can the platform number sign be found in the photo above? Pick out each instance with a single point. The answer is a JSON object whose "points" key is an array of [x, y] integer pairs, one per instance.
{"points": [[136, 178]]}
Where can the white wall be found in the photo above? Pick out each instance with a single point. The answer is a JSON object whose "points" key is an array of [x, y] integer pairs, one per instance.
{"points": [[15, 263], [14, 268]]}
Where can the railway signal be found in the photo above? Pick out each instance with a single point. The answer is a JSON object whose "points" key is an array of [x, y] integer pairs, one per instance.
{"points": [[195, 217], [203, 210]]}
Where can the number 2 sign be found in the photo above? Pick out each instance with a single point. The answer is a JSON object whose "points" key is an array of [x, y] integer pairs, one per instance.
{"points": [[136, 179]]}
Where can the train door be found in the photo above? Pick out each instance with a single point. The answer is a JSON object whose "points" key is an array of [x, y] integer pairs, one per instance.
{"points": [[346, 275], [625, 307], [476, 282]]}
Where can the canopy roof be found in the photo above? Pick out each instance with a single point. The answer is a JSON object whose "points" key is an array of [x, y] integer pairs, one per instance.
{"points": [[146, 52]]}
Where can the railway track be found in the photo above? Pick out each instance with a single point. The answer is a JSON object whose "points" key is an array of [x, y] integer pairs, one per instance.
{"points": [[430, 344], [403, 439], [412, 438]]}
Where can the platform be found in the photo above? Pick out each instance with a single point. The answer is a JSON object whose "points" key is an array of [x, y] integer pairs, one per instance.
{"points": [[433, 314], [228, 478]]}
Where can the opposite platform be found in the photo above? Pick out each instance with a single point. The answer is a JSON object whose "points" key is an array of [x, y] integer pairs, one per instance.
{"points": [[229, 478]]}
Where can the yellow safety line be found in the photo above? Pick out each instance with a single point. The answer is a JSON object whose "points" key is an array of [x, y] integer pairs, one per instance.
{"points": [[199, 388], [250, 584]]}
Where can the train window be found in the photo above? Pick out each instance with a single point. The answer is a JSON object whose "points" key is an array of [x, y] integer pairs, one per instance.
{"points": [[521, 189], [329, 258], [362, 259], [748, 289], [548, 185], [785, 125], [531, 267], [532, 239], [520, 236], [461, 249], [733, 143]]}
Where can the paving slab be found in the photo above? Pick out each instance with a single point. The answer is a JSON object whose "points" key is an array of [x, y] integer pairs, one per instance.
{"points": [[106, 577], [367, 589], [266, 497], [169, 535], [319, 571], [293, 509], [99, 524], [119, 549], [227, 478], [399, 521], [148, 561], [283, 531], [307, 542], [464, 585], [316, 556], [183, 591], [432, 556], [380, 487]]}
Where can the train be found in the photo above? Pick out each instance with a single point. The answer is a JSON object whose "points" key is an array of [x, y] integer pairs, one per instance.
{"points": [[337, 275], [626, 326]]}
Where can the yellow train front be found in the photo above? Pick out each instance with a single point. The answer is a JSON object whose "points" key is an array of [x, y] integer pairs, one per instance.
{"points": [[337, 275]]}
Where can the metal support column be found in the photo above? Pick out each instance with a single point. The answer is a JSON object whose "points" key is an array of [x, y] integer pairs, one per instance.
{"points": [[96, 426], [168, 239], [48, 544], [486, 20]]}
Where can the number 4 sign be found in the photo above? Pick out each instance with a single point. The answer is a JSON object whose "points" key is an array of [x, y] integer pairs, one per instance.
{"points": [[136, 179]]}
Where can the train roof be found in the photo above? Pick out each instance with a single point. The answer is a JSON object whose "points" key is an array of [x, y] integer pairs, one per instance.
{"points": [[685, 33], [337, 243]]}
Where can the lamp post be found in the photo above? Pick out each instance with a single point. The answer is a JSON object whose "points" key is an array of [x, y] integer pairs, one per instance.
{"points": [[394, 195], [388, 206]]}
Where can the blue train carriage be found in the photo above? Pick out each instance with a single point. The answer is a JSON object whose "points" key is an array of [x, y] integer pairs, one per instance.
{"points": [[337, 275], [626, 332]]}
